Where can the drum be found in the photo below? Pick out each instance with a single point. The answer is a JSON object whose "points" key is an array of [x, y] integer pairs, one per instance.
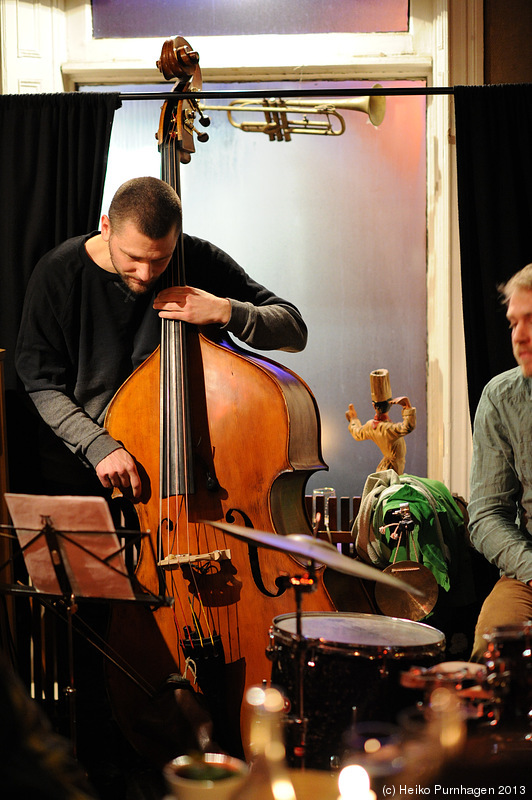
{"points": [[508, 662], [345, 668]]}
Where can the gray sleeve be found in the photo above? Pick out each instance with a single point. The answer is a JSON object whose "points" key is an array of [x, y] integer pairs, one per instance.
{"points": [[495, 491], [84, 437], [267, 327]]}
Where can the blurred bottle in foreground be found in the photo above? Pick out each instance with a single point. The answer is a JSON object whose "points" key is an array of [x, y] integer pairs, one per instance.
{"points": [[269, 778]]}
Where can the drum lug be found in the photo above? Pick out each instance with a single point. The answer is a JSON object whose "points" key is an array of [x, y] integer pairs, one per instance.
{"points": [[271, 649]]}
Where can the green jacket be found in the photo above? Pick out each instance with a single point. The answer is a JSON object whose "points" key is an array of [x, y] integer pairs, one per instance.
{"points": [[438, 537]]}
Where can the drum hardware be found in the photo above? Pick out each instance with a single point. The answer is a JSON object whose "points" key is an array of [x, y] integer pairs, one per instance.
{"points": [[396, 602], [468, 680], [314, 554], [299, 723], [508, 661]]}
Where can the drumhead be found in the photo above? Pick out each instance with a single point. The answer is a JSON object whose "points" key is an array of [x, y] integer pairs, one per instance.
{"points": [[364, 631]]}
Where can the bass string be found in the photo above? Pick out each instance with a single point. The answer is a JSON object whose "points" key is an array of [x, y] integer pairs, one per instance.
{"points": [[177, 504]]}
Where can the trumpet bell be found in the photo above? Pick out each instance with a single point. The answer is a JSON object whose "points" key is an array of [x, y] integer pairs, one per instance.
{"points": [[373, 105]]}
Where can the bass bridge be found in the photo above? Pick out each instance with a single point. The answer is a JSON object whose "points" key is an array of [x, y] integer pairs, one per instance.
{"points": [[176, 561]]}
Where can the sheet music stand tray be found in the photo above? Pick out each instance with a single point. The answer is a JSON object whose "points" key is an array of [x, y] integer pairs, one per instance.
{"points": [[72, 552]]}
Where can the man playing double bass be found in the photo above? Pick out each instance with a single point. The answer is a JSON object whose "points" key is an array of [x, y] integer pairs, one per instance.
{"points": [[92, 315]]}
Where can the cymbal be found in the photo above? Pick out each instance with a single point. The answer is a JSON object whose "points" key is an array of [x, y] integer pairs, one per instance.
{"points": [[305, 546]]}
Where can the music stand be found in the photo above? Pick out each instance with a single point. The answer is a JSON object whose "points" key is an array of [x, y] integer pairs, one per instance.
{"points": [[71, 551]]}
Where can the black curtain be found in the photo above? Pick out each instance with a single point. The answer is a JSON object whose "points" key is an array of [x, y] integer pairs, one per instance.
{"points": [[494, 168], [53, 158]]}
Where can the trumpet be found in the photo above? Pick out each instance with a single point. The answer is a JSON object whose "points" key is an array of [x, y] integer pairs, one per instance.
{"points": [[279, 127]]}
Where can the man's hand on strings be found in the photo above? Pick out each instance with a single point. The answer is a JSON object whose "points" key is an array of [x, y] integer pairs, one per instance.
{"points": [[118, 470], [192, 305]]}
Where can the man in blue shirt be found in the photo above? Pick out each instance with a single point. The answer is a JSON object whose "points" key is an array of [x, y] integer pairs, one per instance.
{"points": [[500, 506]]}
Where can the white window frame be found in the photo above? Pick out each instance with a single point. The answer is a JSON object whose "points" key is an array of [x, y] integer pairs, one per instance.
{"points": [[247, 58]]}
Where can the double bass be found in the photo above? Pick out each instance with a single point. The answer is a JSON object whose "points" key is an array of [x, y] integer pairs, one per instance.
{"points": [[220, 434]]}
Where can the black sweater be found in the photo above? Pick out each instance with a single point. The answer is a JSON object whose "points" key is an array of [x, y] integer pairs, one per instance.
{"points": [[83, 333]]}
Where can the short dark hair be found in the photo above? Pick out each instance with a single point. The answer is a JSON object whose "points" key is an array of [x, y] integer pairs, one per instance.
{"points": [[521, 280], [151, 204]]}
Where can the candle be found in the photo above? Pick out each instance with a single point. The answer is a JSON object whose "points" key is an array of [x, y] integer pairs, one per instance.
{"points": [[353, 783]]}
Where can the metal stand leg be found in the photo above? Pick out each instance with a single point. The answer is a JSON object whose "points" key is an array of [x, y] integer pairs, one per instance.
{"points": [[70, 690]]}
